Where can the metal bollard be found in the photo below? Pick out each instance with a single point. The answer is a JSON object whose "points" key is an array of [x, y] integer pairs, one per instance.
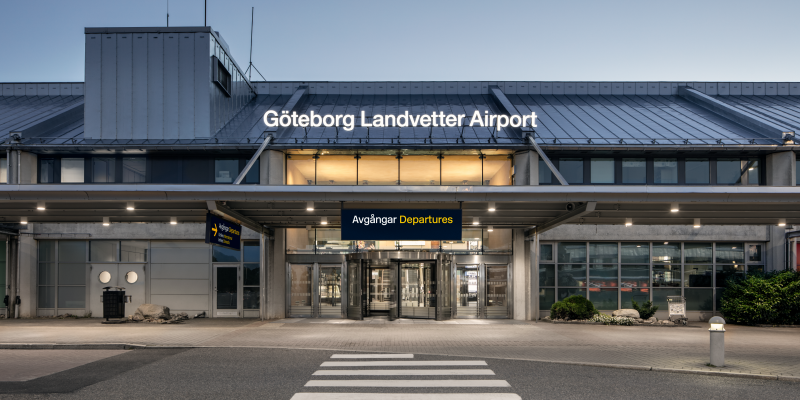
{"points": [[717, 331]]}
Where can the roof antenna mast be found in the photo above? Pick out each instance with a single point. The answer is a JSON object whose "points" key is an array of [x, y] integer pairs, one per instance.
{"points": [[167, 13], [251, 67], [205, 12], [252, 17]]}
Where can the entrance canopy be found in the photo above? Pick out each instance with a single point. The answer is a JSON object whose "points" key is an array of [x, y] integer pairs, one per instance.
{"points": [[515, 206]]}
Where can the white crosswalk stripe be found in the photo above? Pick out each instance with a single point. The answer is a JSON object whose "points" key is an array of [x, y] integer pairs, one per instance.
{"points": [[368, 368]]}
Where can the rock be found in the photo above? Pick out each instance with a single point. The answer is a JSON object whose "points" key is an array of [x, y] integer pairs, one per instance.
{"points": [[626, 312], [665, 322], [152, 311], [652, 320]]}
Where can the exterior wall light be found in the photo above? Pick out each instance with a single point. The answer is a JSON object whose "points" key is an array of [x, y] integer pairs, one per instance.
{"points": [[674, 207], [697, 222], [309, 206], [717, 332], [476, 221], [782, 222], [40, 206], [173, 221], [492, 208], [130, 206], [106, 221], [491, 228], [23, 220], [324, 221], [628, 222]]}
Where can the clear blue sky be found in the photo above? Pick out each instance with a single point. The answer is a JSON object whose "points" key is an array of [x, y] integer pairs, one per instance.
{"points": [[412, 40]]}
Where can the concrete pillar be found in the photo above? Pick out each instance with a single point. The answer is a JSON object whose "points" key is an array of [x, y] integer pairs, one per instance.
{"points": [[28, 275], [781, 169], [12, 265], [276, 277], [533, 254], [272, 164], [775, 248], [23, 167], [520, 275], [526, 168]]}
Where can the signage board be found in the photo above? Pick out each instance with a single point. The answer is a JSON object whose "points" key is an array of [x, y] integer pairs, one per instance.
{"points": [[396, 224], [223, 233]]}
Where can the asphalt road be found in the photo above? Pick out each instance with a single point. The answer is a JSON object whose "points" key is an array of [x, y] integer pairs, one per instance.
{"points": [[244, 373]]}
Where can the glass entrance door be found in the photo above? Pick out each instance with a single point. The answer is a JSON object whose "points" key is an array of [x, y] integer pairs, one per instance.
{"points": [[496, 291], [417, 290], [467, 281], [355, 299], [226, 291], [379, 291], [330, 291], [300, 288]]}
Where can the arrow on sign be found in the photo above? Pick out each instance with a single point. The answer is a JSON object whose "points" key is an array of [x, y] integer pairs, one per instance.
{"points": [[214, 229]]}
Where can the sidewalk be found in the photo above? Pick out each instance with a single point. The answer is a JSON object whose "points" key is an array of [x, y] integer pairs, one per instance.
{"points": [[749, 350]]}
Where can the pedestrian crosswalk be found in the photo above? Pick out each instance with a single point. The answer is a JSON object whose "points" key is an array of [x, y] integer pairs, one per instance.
{"points": [[394, 372]]}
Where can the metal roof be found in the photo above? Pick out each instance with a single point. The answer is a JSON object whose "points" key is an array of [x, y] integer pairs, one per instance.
{"points": [[585, 121]]}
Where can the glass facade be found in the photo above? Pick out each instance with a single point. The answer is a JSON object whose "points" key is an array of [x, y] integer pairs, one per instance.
{"points": [[612, 274], [393, 169], [62, 274], [328, 241]]}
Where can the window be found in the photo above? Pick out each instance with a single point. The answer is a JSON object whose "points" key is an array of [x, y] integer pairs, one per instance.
{"points": [[224, 254], [797, 172], [251, 281], [665, 171], [225, 171], [72, 170], [545, 175], [103, 251], [460, 170], [47, 170], [729, 171], [634, 171], [571, 169], [697, 172], [377, 170], [133, 251], [62, 274], [3, 170], [301, 169], [168, 171], [254, 174], [133, 169], [103, 170], [497, 170], [336, 170], [602, 170], [221, 76], [425, 170]]}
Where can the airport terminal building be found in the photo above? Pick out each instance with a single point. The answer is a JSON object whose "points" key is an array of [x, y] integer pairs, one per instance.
{"points": [[433, 200]]}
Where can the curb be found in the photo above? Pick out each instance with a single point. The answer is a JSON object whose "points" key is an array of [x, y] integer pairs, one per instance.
{"points": [[130, 346]]}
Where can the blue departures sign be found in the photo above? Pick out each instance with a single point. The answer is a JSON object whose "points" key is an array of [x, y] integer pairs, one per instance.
{"points": [[401, 224], [223, 233]]}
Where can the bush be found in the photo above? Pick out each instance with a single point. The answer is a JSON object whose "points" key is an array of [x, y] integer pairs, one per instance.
{"points": [[609, 320], [573, 307], [647, 309], [771, 298]]}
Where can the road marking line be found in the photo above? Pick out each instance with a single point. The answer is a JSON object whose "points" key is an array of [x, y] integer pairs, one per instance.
{"points": [[372, 356], [456, 383], [399, 363], [406, 396], [423, 372]]}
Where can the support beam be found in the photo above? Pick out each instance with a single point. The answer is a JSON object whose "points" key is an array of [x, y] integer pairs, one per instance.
{"points": [[564, 218], [12, 263], [294, 102], [760, 124], [547, 161], [217, 208]]}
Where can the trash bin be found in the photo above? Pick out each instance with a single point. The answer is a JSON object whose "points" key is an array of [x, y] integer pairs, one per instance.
{"points": [[114, 303]]}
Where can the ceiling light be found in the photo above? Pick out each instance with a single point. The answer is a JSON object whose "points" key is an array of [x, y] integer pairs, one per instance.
{"points": [[40, 206], [324, 221], [23, 220], [782, 222], [173, 221], [628, 221], [697, 222], [106, 221], [309, 206], [666, 242], [491, 228], [491, 206], [674, 207], [476, 221], [130, 206]]}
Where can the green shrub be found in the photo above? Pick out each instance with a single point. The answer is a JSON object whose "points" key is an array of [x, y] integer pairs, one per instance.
{"points": [[609, 320], [573, 307], [647, 309], [771, 298]]}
